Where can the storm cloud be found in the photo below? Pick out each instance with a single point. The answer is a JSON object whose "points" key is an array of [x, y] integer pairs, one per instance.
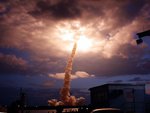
{"points": [[64, 9], [33, 27]]}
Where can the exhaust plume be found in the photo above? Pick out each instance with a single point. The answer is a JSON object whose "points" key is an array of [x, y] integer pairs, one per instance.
{"points": [[66, 98], [65, 91]]}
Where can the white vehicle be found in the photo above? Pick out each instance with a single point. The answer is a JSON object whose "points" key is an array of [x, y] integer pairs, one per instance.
{"points": [[107, 110]]}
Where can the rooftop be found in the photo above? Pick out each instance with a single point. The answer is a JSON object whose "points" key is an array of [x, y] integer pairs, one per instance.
{"points": [[116, 84]]}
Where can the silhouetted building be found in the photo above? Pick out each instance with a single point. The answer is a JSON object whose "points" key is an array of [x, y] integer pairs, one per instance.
{"points": [[127, 97], [18, 105]]}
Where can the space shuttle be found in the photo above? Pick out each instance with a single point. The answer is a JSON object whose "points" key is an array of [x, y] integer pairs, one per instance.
{"points": [[141, 35]]}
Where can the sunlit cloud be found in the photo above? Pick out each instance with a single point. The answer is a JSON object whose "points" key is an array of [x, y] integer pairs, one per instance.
{"points": [[78, 74], [48, 35]]}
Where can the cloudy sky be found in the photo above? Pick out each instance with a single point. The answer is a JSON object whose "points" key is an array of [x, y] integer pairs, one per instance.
{"points": [[37, 36]]}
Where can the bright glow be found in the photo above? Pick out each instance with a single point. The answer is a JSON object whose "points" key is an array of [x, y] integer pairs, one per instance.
{"points": [[68, 36], [71, 32], [84, 44]]}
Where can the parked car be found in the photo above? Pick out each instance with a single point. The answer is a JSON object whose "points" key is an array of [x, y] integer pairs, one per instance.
{"points": [[107, 110]]}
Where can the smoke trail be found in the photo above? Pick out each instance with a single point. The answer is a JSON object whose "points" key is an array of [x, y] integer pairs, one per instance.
{"points": [[65, 91], [66, 98]]}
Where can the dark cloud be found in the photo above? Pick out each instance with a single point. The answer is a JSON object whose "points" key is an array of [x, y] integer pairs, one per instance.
{"points": [[111, 67], [10, 64], [116, 54], [127, 11], [117, 81], [64, 9], [116, 14], [140, 80], [136, 79]]}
